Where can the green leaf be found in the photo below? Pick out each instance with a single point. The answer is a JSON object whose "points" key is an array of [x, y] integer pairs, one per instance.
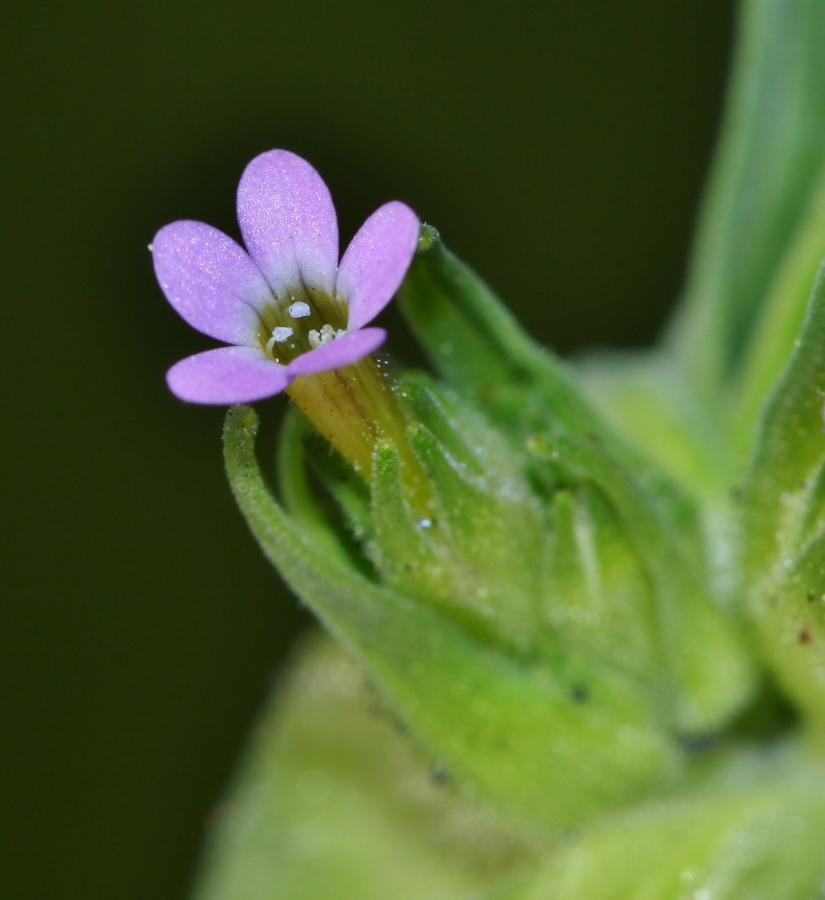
{"points": [[780, 320], [782, 519], [789, 610], [516, 735], [789, 447], [770, 154]]}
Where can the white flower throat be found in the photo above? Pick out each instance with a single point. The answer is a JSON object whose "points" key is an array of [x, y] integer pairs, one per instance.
{"points": [[284, 342]]}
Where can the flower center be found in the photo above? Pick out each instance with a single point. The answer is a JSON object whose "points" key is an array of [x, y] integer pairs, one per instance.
{"points": [[300, 321]]}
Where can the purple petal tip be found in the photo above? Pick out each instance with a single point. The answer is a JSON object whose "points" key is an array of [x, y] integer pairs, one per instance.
{"points": [[226, 376], [288, 221], [376, 261]]}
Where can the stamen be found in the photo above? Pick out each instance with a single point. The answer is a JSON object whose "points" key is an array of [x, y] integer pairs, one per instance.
{"points": [[324, 336], [300, 310], [279, 335]]}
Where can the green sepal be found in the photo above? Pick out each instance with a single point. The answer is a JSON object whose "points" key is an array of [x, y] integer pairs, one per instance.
{"points": [[812, 504], [301, 501], [495, 540], [482, 353], [477, 345], [411, 557], [713, 676], [760, 841], [338, 518], [491, 555], [598, 598], [768, 161], [462, 430], [516, 735], [475, 552]]}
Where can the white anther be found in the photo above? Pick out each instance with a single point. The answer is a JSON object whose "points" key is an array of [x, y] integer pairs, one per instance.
{"points": [[324, 336], [279, 335], [300, 310]]}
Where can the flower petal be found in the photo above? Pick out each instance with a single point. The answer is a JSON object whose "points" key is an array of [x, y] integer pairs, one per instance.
{"points": [[376, 262], [288, 222], [210, 281], [227, 375], [343, 351]]}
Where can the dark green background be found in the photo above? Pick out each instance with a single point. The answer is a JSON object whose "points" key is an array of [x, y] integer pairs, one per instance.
{"points": [[558, 146]]}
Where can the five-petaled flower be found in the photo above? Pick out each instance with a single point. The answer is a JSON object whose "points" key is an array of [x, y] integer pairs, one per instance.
{"points": [[286, 306]]}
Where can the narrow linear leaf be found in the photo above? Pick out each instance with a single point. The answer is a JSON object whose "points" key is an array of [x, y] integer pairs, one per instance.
{"points": [[790, 444], [777, 327], [770, 153]]}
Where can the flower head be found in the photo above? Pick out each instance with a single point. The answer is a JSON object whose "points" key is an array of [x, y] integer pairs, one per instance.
{"points": [[284, 305]]}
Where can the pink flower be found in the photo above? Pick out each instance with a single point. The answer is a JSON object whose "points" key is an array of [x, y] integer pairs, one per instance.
{"points": [[286, 307]]}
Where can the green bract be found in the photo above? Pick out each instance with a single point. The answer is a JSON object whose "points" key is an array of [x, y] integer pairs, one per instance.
{"points": [[579, 609]]}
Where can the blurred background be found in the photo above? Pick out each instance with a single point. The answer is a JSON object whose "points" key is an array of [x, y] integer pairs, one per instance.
{"points": [[559, 147]]}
